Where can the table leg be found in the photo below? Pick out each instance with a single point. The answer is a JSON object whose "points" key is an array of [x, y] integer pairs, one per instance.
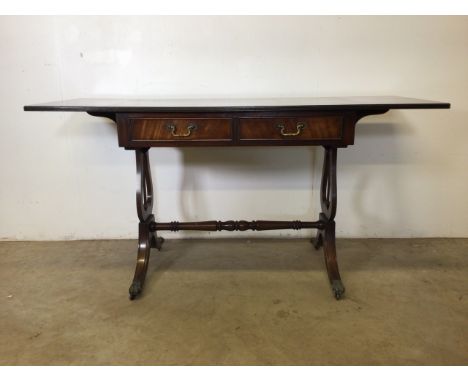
{"points": [[147, 238], [326, 237]]}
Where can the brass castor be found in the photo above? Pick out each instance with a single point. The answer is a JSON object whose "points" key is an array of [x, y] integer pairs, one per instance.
{"points": [[134, 290], [338, 289]]}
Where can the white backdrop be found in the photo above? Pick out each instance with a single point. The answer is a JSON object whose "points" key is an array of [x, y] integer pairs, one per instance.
{"points": [[64, 177]]}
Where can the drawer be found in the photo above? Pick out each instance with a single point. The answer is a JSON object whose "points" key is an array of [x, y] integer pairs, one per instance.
{"points": [[289, 128], [180, 129]]}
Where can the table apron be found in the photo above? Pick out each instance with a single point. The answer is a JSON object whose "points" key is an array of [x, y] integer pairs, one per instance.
{"points": [[144, 130]]}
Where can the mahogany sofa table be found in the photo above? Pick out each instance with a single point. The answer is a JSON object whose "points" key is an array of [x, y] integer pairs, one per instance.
{"points": [[327, 122]]}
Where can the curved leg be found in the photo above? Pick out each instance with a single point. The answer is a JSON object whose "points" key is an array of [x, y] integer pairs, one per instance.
{"points": [[144, 248], [331, 263], [317, 242], [326, 236], [146, 238], [156, 241]]}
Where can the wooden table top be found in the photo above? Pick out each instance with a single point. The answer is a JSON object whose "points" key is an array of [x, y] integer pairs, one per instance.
{"points": [[109, 105]]}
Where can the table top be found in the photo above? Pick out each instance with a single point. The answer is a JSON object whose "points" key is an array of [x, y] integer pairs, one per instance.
{"points": [[109, 105]]}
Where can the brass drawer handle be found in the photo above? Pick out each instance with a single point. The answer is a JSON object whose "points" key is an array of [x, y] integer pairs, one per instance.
{"points": [[172, 128], [299, 127]]}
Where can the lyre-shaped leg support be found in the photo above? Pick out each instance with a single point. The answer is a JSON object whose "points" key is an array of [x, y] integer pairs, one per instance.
{"points": [[326, 237], [147, 238]]}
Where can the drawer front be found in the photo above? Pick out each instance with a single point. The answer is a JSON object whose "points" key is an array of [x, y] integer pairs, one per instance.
{"points": [[302, 129], [181, 129]]}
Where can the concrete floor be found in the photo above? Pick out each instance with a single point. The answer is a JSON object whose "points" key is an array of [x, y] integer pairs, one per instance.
{"points": [[236, 302]]}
